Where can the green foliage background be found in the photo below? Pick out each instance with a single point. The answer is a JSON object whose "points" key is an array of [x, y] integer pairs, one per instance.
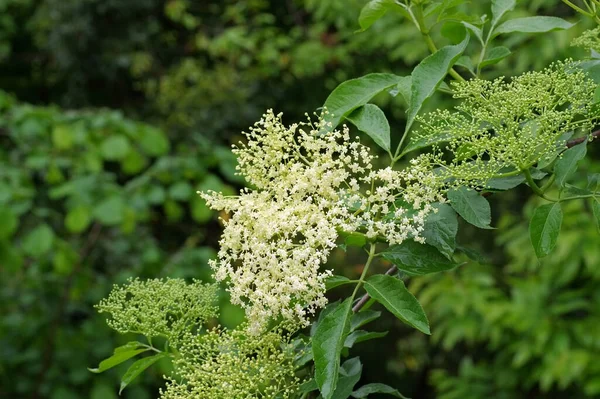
{"points": [[113, 113]]}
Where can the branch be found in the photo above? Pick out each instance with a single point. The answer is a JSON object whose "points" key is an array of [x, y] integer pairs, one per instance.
{"points": [[579, 140]]}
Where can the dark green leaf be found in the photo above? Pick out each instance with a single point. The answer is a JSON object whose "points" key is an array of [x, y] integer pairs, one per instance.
{"points": [[417, 259], [363, 317], [138, 367], [423, 142], [110, 211], [336, 281], [471, 206], [115, 147], [392, 293], [366, 390], [428, 75], [327, 344], [8, 222], [350, 373], [181, 191], [532, 25], [355, 93], [545, 227], [371, 120], [567, 164], [308, 386], [495, 55], [358, 336], [121, 354], [153, 142], [440, 229]]}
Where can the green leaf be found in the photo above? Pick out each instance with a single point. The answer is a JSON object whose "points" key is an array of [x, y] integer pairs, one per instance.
{"points": [[471, 206], [336, 281], [532, 25], [153, 142], [475, 30], [495, 55], [181, 191], [355, 93], [423, 142], [596, 211], [360, 336], [566, 165], [78, 219], [8, 222], [62, 137], [427, 76], [38, 241], [363, 317], [350, 373], [499, 8], [417, 259], [371, 120], [372, 11], [392, 293], [115, 147], [545, 227], [366, 390], [440, 229], [308, 386], [120, 355], [327, 344], [138, 367], [110, 212]]}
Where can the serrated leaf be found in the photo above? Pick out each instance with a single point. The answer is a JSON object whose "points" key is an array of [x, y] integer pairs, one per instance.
{"points": [[494, 56], [567, 164], [366, 390], [336, 281], [427, 76], [532, 25], [471, 206], [350, 373], [120, 355], [358, 336], [355, 93], [371, 120], [363, 317], [372, 11], [392, 293], [138, 367], [417, 259], [440, 229], [544, 228], [327, 344]]}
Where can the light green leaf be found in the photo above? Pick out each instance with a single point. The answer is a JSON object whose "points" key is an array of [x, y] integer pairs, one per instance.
{"points": [[153, 142], [440, 229], [355, 93], [366, 390], [78, 219], [428, 75], [499, 8], [350, 373], [110, 211], [532, 25], [596, 211], [566, 165], [336, 281], [475, 30], [360, 336], [363, 317], [120, 354], [372, 11], [392, 293], [371, 120], [471, 206], [495, 55], [62, 137], [38, 241], [545, 227], [181, 191], [417, 259], [327, 344], [138, 367], [8, 222], [115, 147]]}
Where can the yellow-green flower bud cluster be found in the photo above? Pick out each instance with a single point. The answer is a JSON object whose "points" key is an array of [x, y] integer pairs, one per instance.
{"points": [[234, 365], [308, 183], [589, 40], [166, 308]]}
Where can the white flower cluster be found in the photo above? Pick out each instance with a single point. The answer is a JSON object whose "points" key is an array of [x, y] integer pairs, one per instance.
{"points": [[307, 189]]}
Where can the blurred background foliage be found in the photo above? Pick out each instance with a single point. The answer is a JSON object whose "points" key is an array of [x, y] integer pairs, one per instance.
{"points": [[113, 113]]}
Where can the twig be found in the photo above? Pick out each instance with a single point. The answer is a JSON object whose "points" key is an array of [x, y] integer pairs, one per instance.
{"points": [[579, 140]]}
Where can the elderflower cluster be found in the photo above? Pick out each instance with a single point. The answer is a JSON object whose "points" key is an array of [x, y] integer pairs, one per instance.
{"points": [[589, 40], [234, 365], [308, 187], [505, 126], [166, 308]]}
